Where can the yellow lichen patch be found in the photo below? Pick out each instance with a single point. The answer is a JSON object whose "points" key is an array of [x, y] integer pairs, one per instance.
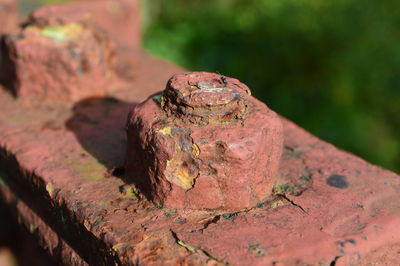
{"points": [[178, 175], [89, 170], [58, 33], [277, 204], [189, 247], [184, 180], [129, 192], [195, 150], [32, 228], [102, 203], [166, 131], [62, 33], [117, 247], [50, 190], [19, 117]]}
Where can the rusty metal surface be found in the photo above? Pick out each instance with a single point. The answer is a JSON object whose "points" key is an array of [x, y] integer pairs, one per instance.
{"points": [[19, 246], [58, 53], [189, 145], [58, 62], [328, 206], [28, 215], [8, 16]]}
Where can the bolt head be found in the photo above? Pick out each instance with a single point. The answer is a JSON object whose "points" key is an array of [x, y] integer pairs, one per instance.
{"points": [[205, 144]]}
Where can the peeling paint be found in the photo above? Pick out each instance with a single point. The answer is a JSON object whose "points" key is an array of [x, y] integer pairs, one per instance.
{"points": [[166, 131]]}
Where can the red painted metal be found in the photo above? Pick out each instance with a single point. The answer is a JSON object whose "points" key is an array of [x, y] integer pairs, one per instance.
{"points": [[189, 145], [62, 173]]}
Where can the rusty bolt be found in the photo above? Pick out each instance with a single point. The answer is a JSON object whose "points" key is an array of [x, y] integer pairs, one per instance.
{"points": [[204, 143], [57, 61]]}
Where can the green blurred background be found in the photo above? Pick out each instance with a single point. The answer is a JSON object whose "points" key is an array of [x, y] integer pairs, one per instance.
{"points": [[333, 67]]}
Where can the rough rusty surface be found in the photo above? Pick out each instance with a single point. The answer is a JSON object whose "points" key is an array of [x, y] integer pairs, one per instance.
{"points": [[189, 146], [120, 19], [329, 206], [201, 98], [19, 202], [58, 62], [8, 16], [18, 246]]}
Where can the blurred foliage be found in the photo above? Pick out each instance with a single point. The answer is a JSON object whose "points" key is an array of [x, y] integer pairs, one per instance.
{"points": [[333, 67]]}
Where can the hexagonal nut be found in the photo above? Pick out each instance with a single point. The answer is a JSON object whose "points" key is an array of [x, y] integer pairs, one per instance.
{"points": [[204, 143], [58, 62]]}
